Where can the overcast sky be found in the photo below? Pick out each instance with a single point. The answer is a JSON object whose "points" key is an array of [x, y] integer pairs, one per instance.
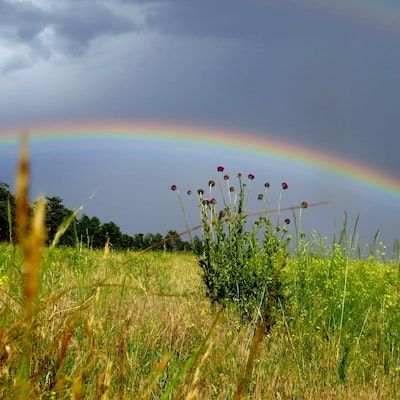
{"points": [[316, 75]]}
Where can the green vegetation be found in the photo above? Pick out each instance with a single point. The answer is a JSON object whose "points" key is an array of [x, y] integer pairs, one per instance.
{"points": [[88, 231], [133, 325], [80, 323], [238, 267]]}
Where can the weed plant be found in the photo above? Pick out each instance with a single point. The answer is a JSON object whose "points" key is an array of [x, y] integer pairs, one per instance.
{"points": [[239, 268]]}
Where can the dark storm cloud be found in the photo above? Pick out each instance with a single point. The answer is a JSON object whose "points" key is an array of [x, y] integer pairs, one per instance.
{"points": [[65, 27], [225, 19]]}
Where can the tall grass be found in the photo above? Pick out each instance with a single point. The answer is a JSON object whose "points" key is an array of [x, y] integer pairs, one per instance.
{"points": [[83, 324]]}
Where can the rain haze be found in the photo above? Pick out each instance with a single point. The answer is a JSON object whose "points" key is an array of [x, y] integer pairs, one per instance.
{"points": [[324, 75]]}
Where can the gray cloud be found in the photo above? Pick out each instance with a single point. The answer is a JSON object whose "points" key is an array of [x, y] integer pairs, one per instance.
{"points": [[16, 63], [62, 27], [266, 66]]}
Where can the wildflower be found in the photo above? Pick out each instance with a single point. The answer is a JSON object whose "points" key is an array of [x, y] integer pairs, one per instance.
{"points": [[173, 187], [213, 201], [226, 177], [221, 214], [211, 183], [206, 202], [287, 221], [304, 204], [284, 185], [189, 192], [266, 185], [220, 168], [231, 189], [239, 175], [200, 191], [260, 196], [251, 176]]}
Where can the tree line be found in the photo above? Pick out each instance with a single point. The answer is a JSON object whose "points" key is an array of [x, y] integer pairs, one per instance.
{"points": [[85, 230]]}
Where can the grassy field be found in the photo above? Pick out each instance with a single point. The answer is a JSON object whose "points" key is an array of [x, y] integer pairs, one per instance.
{"points": [[130, 326]]}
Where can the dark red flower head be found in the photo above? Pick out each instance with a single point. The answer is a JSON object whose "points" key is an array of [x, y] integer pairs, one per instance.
{"points": [[266, 185], [239, 175], [287, 221], [284, 185], [205, 202], [211, 183], [220, 168], [304, 204], [213, 201], [231, 189], [173, 187], [251, 176], [226, 177], [189, 192], [200, 191]]}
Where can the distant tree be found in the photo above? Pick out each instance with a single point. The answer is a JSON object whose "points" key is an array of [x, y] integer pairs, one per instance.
{"points": [[6, 200], [111, 231], [138, 241], [95, 232], [56, 214], [127, 242], [173, 242], [89, 231], [82, 230]]}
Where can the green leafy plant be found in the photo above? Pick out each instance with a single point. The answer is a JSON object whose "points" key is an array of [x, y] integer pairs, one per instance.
{"points": [[239, 259]]}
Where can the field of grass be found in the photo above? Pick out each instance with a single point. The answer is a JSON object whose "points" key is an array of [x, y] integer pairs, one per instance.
{"points": [[130, 326]]}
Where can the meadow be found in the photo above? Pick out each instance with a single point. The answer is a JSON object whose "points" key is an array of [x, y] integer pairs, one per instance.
{"points": [[133, 326], [243, 318]]}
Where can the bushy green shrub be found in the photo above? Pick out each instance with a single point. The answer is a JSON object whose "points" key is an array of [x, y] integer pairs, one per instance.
{"points": [[240, 259]]}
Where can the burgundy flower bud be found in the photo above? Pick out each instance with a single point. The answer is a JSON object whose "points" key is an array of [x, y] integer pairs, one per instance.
{"points": [[304, 204], [226, 177], [200, 191], [211, 183], [220, 168], [231, 189], [284, 185], [173, 187], [267, 185], [251, 176], [287, 221], [205, 202], [213, 201], [189, 192]]}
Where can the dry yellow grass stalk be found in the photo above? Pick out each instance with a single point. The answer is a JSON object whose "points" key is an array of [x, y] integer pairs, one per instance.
{"points": [[22, 188], [31, 240], [194, 391], [105, 386], [106, 252], [33, 247]]}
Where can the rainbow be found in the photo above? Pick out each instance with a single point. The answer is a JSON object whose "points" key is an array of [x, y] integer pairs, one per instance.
{"points": [[209, 137]]}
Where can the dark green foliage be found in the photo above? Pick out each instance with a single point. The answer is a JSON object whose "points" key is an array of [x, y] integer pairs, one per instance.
{"points": [[87, 231], [56, 213], [7, 204], [238, 267]]}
